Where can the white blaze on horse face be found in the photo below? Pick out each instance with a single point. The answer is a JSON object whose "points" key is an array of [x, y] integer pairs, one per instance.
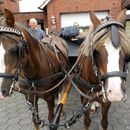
{"points": [[114, 90], [2, 65]]}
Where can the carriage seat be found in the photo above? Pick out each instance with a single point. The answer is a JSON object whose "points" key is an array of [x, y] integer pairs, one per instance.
{"points": [[60, 44]]}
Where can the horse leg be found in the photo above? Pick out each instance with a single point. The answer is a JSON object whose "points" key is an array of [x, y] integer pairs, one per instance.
{"points": [[33, 106], [35, 116], [105, 108], [87, 119], [51, 104]]}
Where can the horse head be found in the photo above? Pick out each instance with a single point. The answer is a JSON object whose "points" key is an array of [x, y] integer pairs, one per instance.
{"points": [[110, 48], [12, 51]]}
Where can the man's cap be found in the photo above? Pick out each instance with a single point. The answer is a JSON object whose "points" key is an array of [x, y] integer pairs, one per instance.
{"points": [[33, 20]]}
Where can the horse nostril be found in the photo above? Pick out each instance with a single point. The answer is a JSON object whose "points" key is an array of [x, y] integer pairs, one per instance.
{"points": [[109, 91], [4, 93], [123, 87]]}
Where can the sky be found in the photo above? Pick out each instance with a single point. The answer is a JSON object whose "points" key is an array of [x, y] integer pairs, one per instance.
{"points": [[30, 5]]}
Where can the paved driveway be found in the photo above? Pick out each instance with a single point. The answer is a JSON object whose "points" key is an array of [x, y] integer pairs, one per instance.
{"points": [[15, 115]]}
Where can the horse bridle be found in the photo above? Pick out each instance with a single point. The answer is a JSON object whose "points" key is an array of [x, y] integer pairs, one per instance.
{"points": [[23, 50], [102, 77], [22, 46]]}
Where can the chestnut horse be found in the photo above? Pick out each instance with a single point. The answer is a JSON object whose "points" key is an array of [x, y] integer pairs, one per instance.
{"points": [[37, 66], [101, 70]]}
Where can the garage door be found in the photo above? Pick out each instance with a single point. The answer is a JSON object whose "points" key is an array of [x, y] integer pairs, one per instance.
{"points": [[82, 18], [127, 28]]}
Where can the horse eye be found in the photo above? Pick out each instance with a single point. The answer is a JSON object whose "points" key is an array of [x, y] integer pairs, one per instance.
{"points": [[13, 51], [127, 59], [96, 54]]}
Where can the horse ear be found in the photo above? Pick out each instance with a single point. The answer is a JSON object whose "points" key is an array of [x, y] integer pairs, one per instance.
{"points": [[94, 19], [10, 20], [122, 16]]}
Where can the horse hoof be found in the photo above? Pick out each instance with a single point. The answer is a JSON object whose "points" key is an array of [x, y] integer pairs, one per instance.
{"points": [[92, 111], [62, 113], [35, 128]]}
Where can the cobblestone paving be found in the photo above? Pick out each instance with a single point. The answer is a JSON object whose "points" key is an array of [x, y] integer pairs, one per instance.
{"points": [[15, 115]]}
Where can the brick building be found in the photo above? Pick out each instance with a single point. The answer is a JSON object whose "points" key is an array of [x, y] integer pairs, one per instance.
{"points": [[70, 11], [13, 6], [65, 12], [23, 17], [126, 4]]}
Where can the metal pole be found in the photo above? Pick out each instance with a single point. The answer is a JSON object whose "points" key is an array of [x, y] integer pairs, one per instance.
{"points": [[56, 120]]}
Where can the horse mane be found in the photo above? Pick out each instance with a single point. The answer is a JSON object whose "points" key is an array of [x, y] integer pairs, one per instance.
{"points": [[21, 25], [85, 46], [125, 42]]}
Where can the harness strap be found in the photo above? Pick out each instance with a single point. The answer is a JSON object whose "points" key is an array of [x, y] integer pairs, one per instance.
{"points": [[40, 82], [52, 67], [79, 80], [10, 30], [106, 24], [113, 74], [5, 75]]}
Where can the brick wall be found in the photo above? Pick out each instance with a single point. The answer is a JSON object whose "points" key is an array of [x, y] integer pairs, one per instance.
{"points": [[114, 7], [56, 7], [13, 6], [24, 17]]}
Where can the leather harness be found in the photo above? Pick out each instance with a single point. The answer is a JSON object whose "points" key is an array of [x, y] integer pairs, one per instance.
{"points": [[23, 50], [97, 87]]}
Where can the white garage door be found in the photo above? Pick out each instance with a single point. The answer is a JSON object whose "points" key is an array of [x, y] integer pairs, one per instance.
{"points": [[82, 18], [127, 28]]}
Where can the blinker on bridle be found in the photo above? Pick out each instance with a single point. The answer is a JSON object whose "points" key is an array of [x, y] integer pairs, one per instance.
{"points": [[113, 25], [22, 46]]}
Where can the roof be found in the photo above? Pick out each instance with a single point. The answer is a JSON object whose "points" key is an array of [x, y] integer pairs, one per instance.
{"points": [[125, 4], [45, 3]]}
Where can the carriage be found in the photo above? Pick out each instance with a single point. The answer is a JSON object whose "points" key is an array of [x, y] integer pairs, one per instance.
{"points": [[22, 60]]}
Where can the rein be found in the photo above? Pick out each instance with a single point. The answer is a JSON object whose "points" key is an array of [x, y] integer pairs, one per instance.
{"points": [[50, 79], [44, 81], [22, 45]]}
